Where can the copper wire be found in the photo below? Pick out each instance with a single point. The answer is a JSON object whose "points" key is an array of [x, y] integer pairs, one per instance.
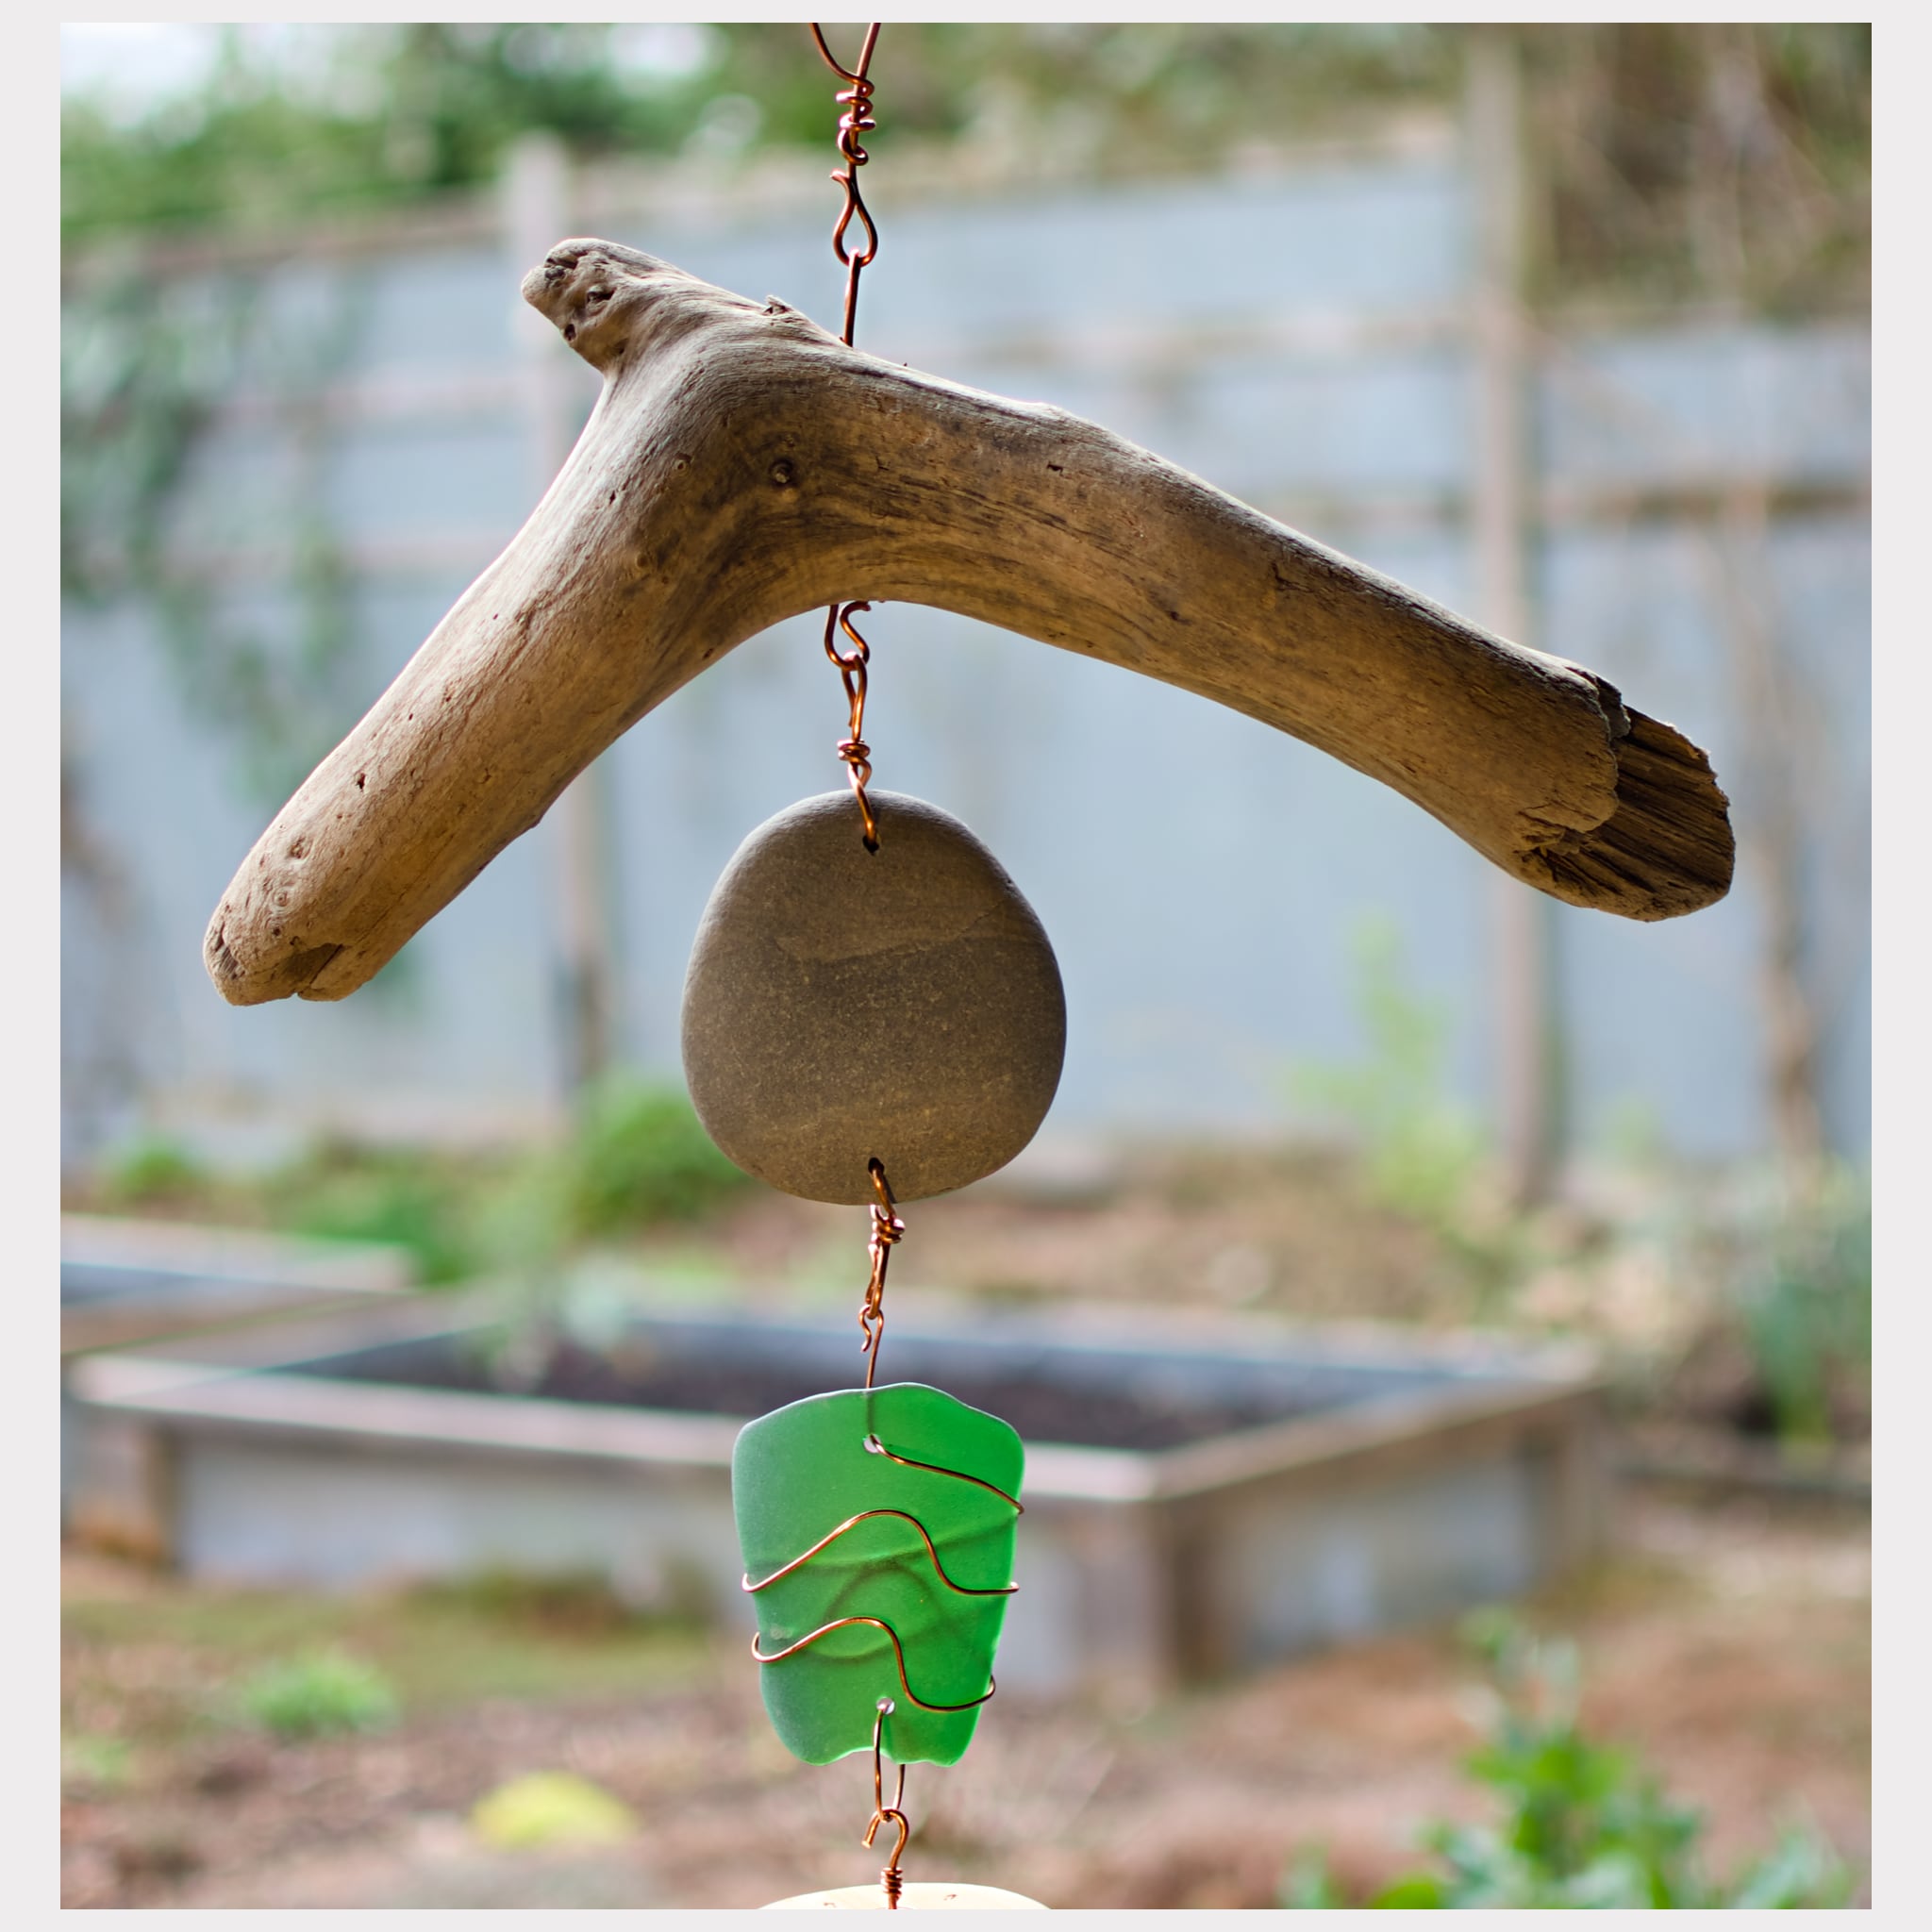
{"points": [[879, 1806], [864, 1516], [853, 747], [776, 1657], [892, 1877], [887, 1227], [875, 1447], [856, 120], [887, 1231], [855, 98]]}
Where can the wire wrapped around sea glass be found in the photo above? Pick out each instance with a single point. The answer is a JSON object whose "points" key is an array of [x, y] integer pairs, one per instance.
{"points": [[926, 1621]]}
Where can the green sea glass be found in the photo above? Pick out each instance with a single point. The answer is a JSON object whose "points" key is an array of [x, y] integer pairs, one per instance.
{"points": [[797, 1474]]}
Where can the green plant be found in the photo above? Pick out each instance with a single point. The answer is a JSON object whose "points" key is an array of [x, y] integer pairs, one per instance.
{"points": [[1424, 1155], [140, 381], [1422, 1149], [1642, 133], [318, 1693], [1583, 1824], [638, 1154], [90, 1763], [399, 1197], [1805, 1301], [558, 1604], [148, 368], [1308, 1885], [148, 1169], [635, 1155]]}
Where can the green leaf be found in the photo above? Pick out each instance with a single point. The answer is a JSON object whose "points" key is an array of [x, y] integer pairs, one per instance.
{"points": [[1801, 1871], [800, 1472], [319, 1694], [1406, 1895], [1308, 1886]]}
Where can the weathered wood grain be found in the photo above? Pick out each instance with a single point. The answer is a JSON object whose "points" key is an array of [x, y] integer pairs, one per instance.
{"points": [[742, 466]]}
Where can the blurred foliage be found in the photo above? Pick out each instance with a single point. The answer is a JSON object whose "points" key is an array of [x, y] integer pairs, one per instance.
{"points": [[140, 379], [318, 1693], [413, 110], [1805, 1304], [145, 369], [436, 1647], [563, 1603], [640, 1153], [1742, 1300], [1424, 1155], [376, 116], [93, 1765], [635, 1157], [1308, 1885], [1422, 1149], [422, 1203], [1583, 1825], [151, 1170], [1785, 1347], [551, 1808], [1682, 159]]}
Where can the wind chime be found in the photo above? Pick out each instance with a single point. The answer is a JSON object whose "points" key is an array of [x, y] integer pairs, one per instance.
{"points": [[872, 1013]]}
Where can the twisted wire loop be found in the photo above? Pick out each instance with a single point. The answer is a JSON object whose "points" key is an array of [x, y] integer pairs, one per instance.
{"points": [[892, 1877], [853, 747], [856, 120], [855, 98], [887, 1231]]}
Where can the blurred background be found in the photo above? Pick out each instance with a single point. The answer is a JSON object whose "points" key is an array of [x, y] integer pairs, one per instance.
{"points": [[1567, 327]]}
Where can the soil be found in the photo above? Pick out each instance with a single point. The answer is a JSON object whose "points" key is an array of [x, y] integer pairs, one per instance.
{"points": [[1728, 1643]]}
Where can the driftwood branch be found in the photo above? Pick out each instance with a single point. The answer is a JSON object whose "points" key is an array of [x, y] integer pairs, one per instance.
{"points": [[742, 466]]}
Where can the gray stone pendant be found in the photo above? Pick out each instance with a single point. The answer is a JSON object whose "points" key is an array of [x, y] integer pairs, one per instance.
{"points": [[845, 1006]]}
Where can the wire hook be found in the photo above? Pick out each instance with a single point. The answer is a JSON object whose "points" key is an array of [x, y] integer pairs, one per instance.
{"points": [[891, 1878], [853, 747]]}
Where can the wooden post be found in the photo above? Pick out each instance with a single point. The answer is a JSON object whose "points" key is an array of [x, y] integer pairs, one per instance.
{"points": [[1521, 923], [1776, 775], [535, 214]]}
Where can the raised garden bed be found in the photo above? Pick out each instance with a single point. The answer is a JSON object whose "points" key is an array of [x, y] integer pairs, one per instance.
{"points": [[126, 1281], [129, 1282], [1201, 1494]]}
